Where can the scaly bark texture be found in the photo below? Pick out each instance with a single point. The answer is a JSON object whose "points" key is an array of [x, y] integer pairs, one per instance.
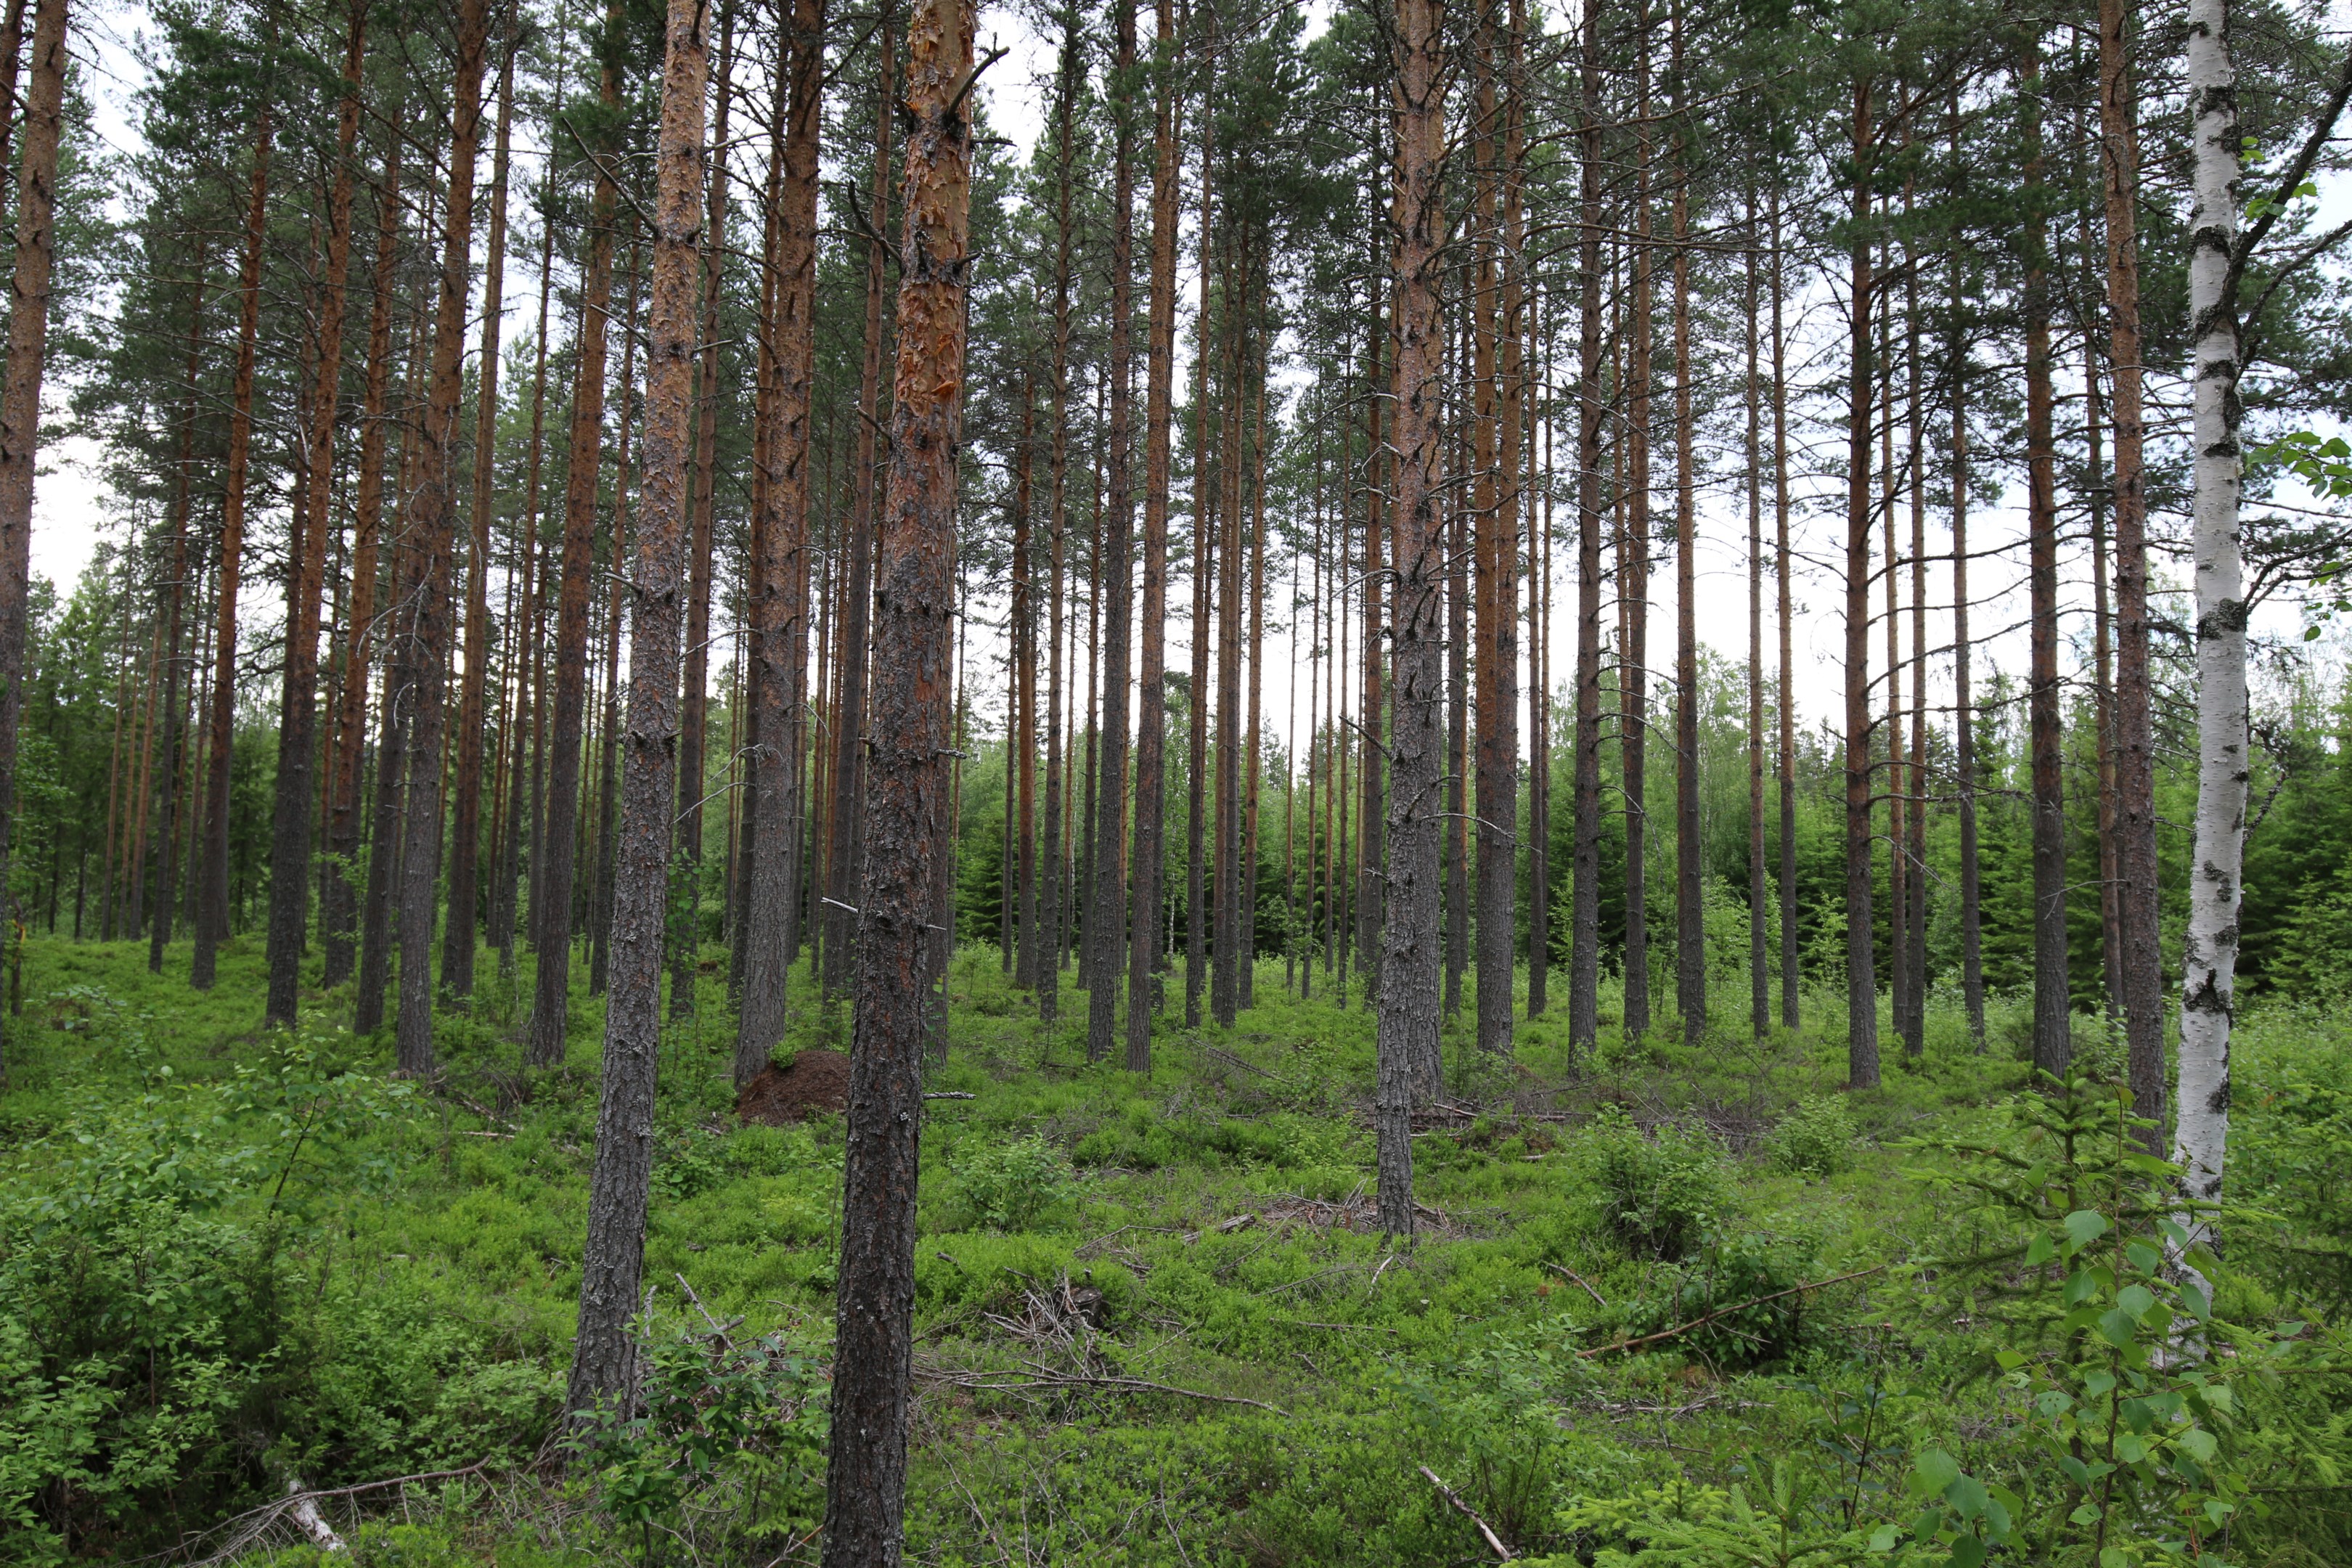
{"points": [[1690, 909], [1409, 952], [2208, 978], [432, 519], [1498, 599], [908, 809], [778, 603], [298, 735], [604, 1364], [556, 848], [20, 395]]}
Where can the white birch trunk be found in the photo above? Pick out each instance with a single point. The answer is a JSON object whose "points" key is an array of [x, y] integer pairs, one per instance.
{"points": [[2200, 1138]]}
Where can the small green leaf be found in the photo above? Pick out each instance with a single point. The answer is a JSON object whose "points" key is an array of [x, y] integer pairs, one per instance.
{"points": [[2117, 1327], [2112, 1557], [1884, 1538], [1967, 1495], [1932, 1471], [2084, 1226], [2144, 1258], [2009, 1361], [2198, 1444], [1967, 1552], [2040, 1250], [2135, 1300]]}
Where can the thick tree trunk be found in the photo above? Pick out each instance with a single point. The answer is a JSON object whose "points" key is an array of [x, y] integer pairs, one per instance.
{"points": [[459, 937], [1861, 959], [1584, 867], [908, 814], [556, 848], [603, 1363], [780, 603], [1151, 685], [2053, 1046], [212, 900], [2140, 955], [432, 530], [289, 855], [1409, 952], [2208, 980]]}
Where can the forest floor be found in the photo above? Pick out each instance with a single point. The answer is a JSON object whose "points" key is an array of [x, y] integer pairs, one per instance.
{"points": [[1155, 1322]]}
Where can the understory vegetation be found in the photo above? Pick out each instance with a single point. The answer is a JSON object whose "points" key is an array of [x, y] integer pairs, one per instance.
{"points": [[1676, 1303]]}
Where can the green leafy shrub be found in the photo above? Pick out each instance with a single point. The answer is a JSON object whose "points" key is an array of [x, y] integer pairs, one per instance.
{"points": [[1658, 1194], [728, 1449], [1816, 1139], [1009, 1186], [1735, 1272]]}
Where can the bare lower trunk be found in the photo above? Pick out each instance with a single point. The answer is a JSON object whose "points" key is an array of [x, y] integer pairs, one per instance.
{"points": [[908, 814], [1410, 954], [604, 1364], [2052, 1047], [1862, 977], [2208, 981], [1690, 909]]}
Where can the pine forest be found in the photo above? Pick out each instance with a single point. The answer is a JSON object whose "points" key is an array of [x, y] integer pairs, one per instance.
{"points": [[870, 782]]}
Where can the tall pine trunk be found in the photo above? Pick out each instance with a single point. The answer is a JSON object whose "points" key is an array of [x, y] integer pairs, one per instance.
{"points": [[1409, 952], [555, 846], [289, 854], [1860, 958], [780, 606], [1690, 908], [908, 814], [1584, 867], [211, 898], [603, 1363], [432, 530]]}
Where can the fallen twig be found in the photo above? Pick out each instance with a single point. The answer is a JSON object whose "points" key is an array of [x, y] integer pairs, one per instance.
{"points": [[1681, 1329], [246, 1528], [1502, 1553], [1130, 1384], [1573, 1274]]}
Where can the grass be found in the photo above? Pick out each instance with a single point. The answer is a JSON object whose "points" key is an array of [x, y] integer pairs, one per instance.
{"points": [[1153, 1325]]}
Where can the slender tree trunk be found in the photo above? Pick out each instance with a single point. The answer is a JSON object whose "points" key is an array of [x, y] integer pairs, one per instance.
{"points": [[174, 725], [1860, 958], [693, 764], [1253, 764], [853, 622], [1108, 928], [1499, 600], [1633, 578], [1367, 895], [1964, 722], [211, 903], [20, 394], [459, 938], [599, 920], [603, 1363], [907, 811], [1022, 696], [2141, 958], [290, 857], [1196, 924], [1227, 891], [1759, 982], [780, 606], [1151, 685], [2208, 980], [1784, 697], [555, 849], [1914, 848], [2102, 706], [432, 520], [1584, 867], [1409, 952], [1690, 908], [2052, 1048]]}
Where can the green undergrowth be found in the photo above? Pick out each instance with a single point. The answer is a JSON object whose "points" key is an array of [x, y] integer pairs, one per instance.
{"points": [[1154, 1323]]}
